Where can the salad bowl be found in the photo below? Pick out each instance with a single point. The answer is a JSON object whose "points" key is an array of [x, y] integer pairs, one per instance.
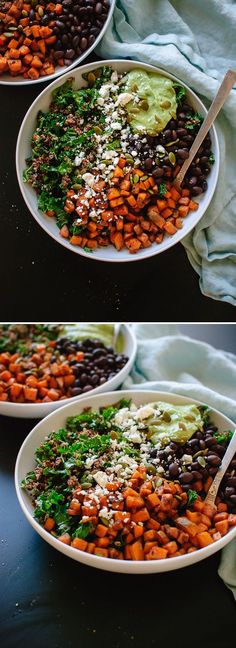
{"points": [[110, 253], [57, 420]]}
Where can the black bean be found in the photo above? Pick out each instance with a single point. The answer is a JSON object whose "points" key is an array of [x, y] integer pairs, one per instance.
{"points": [[196, 474], [101, 362], [229, 490], [181, 132], [158, 172], [202, 444], [102, 380], [58, 54], [209, 441], [167, 134], [233, 499], [192, 181], [193, 443], [198, 435], [84, 378], [87, 388], [70, 53], [148, 164], [173, 446], [94, 379], [173, 470], [98, 8], [213, 460], [75, 41], [98, 352], [186, 478], [231, 481], [75, 391], [83, 43], [197, 190], [212, 470], [183, 154], [78, 368]]}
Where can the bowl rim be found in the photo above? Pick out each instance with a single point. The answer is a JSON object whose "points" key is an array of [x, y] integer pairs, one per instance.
{"points": [[63, 70], [152, 250], [8, 405], [111, 564]]}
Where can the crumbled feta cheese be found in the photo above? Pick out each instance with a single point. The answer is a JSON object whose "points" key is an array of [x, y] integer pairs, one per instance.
{"points": [[108, 155], [101, 478], [124, 98], [104, 90], [78, 159], [116, 125], [186, 459], [145, 411], [114, 77], [89, 179]]}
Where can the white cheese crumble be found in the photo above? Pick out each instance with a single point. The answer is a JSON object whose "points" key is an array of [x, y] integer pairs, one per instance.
{"points": [[101, 478], [186, 459]]}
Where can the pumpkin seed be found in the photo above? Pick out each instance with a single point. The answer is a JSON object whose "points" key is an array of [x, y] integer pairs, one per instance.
{"points": [[86, 485], [172, 143], [104, 521], [97, 130], [172, 158], [135, 178], [129, 158], [165, 104], [151, 469], [201, 461], [143, 104], [91, 78]]}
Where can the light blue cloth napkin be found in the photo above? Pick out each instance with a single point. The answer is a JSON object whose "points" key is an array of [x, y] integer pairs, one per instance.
{"points": [[195, 40], [171, 362]]}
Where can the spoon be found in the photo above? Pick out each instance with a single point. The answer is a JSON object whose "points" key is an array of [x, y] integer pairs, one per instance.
{"points": [[217, 103], [228, 456]]}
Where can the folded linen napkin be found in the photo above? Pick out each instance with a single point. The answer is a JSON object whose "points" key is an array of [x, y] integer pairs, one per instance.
{"points": [[171, 362], [196, 42]]}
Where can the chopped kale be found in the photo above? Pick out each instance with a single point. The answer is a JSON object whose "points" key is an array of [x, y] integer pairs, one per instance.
{"points": [[223, 437], [193, 121], [162, 189], [192, 496], [180, 92]]}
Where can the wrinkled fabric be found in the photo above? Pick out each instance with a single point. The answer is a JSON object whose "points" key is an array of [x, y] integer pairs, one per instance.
{"points": [[196, 42], [170, 362]]}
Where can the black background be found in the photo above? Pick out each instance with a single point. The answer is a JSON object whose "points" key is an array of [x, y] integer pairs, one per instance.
{"points": [[48, 600], [41, 280]]}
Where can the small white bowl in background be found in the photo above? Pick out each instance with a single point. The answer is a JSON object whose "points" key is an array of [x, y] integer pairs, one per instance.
{"points": [[109, 253], [39, 410], [25, 462], [7, 79]]}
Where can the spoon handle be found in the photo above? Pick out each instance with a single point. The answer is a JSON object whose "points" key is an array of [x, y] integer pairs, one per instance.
{"points": [[228, 456], [217, 103]]}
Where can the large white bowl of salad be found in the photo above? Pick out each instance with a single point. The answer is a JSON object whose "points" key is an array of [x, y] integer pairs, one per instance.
{"points": [[97, 155], [44, 366], [118, 481]]}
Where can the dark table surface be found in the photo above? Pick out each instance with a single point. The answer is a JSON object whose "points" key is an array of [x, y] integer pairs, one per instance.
{"points": [[41, 280], [48, 600]]}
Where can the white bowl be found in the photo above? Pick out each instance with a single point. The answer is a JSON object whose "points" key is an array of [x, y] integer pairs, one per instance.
{"points": [[25, 462], [39, 410], [7, 79], [23, 151]]}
